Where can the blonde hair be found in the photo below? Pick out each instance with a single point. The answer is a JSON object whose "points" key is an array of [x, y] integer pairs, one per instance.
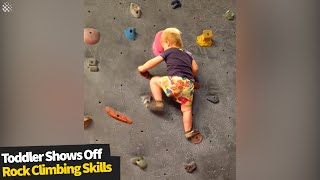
{"points": [[173, 35]]}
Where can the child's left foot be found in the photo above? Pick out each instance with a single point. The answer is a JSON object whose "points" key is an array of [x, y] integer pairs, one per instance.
{"points": [[191, 133]]}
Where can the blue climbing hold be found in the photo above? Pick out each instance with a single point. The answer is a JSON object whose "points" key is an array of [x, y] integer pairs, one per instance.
{"points": [[130, 33]]}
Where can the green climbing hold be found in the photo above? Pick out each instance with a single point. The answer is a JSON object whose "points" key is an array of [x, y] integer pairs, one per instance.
{"points": [[229, 15]]}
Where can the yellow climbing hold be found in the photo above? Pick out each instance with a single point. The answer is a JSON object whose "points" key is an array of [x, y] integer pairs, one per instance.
{"points": [[205, 39]]}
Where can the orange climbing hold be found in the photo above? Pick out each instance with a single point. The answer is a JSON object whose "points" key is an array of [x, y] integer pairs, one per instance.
{"points": [[118, 116], [205, 39]]}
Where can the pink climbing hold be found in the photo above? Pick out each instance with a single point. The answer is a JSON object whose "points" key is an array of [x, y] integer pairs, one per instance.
{"points": [[91, 36], [156, 46]]}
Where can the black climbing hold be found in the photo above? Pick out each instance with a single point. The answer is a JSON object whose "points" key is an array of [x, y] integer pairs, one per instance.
{"points": [[190, 167], [214, 99], [177, 4]]}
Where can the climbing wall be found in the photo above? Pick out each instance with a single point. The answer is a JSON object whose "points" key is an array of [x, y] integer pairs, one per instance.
{"points": [[160, 138]]}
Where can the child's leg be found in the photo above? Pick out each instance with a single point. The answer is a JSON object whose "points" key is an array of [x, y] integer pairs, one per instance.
{"points": [[155, 88], [157, 104], [187, 117]]}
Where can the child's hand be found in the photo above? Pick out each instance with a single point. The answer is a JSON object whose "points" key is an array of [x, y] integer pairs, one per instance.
{"points": [[140, 69], [145, 74]]}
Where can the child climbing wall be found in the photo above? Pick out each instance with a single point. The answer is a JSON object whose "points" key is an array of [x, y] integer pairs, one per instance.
{"points": [[127, 32], [179, 83]]}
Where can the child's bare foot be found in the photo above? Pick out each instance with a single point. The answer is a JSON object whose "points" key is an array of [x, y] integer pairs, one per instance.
{"points": [[191, 133], [157, 106]]}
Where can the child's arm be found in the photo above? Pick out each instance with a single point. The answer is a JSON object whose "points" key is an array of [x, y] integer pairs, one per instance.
{"points": [[150, 64], [194, 68]]}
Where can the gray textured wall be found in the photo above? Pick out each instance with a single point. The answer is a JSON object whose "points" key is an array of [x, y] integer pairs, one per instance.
{"points": [[160, 139]]}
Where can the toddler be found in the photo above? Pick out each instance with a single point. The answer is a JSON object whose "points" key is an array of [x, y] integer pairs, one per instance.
{"points": [[179, 83]]}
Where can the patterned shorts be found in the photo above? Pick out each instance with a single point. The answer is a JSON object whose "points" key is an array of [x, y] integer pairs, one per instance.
{"points": [[180, 88]]}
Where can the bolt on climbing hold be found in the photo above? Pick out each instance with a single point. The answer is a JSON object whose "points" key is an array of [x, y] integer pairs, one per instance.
{"points": [[139, 161], [214, 99], [177, 4], [145, 99], [205, 39], [229, 15], [91, 36], [94, 68], [118, 116], [87, 120], [135, 10], [130, 33], [156, 46], [146, 74], [196, 85], [190, 167], [196, 139], [92, 61]]}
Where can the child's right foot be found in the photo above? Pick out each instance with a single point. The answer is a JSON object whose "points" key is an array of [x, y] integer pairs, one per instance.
{"points": [[191, 133], [157, 106]]}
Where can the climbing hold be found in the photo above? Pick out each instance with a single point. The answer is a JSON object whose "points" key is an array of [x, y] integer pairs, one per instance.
{"points": [[139, 161], [92, 62], [205, 39], [94, 68], [91, 36], [156, 46], [145, 99], [142, 163], [87, 121], [135, 10], [118, 116], [196, 139], [130, 33], [190, 167], [177, 4], [146, 74], [214, 99], [196, 85], [135, 159], [229, 15]]}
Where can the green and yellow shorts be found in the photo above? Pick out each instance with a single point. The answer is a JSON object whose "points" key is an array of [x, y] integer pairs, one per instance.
{"points": [[180, 88]]}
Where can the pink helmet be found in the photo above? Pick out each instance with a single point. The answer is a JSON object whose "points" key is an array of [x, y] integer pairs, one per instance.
{"points": [[156, 46]]}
